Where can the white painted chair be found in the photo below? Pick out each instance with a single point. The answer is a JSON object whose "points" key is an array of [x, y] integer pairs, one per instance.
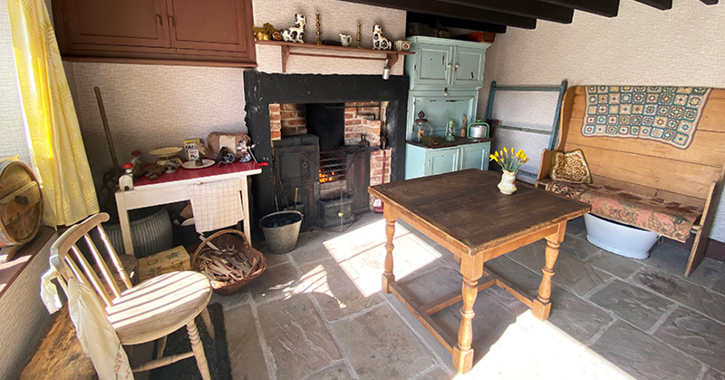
{"points": [[143, 313]]}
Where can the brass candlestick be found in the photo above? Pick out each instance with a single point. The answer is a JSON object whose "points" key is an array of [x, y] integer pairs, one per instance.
{"points": [[319, 41], [358, 37]]}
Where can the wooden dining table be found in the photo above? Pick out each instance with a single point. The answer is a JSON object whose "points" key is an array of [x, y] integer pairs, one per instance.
{"points": [[465, 212]]}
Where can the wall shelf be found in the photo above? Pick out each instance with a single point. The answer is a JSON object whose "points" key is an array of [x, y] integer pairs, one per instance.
{"points": [[291, 48]]}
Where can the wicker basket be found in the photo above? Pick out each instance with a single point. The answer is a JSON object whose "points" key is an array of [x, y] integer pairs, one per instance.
{"points": [[226, 238]]}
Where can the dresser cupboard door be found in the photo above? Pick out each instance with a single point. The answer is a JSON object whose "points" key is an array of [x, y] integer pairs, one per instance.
{"points": [[210, 25], [433, 65], [444, 160], [468, 68], [112, 23], [475, 156]]}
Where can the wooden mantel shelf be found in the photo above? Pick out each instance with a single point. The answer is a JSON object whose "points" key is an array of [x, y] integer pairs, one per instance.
{"points": [[390, 55]]}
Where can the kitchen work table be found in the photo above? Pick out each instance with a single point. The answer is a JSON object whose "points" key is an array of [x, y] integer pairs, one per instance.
{"points": [[174, 187], [465, 212]]}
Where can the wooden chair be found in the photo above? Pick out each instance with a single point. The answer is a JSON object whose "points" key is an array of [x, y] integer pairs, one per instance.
{"points": [[143, 313]]}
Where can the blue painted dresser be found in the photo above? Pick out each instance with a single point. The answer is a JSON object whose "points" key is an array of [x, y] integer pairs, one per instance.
{"points": [[445, 76]]}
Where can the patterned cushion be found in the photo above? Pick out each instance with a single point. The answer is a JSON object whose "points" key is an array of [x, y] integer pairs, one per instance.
{"points": [[570, 167], [671, 219]]}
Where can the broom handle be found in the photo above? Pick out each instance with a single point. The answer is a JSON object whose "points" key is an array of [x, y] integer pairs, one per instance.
{"points": [[106, 128]]}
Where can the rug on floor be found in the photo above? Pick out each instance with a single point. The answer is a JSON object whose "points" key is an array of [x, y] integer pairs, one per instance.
{"points": [[216, 351]]}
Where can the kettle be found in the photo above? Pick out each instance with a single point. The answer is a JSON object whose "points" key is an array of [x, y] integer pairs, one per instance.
{"points": [[478, 130]]}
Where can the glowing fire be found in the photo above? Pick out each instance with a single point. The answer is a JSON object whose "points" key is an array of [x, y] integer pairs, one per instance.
{"points": [[326, 177]]}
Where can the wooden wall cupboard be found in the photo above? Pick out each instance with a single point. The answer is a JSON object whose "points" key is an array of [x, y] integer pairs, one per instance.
{"points": [[444, 64], [422, 161], [195, 32]]}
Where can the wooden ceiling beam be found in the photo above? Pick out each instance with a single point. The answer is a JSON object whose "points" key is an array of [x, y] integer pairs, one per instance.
{"points": [[607, 8], [431, 20], [438, 8], [709, 2], [662, 5], [525, 8]]}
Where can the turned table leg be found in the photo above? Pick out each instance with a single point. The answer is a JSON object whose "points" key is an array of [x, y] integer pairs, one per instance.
{"points": [[542, 304], [388, 276], [471, 269]]}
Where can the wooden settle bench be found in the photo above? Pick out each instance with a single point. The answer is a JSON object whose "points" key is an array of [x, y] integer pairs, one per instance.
{"points": [[691, 177]]}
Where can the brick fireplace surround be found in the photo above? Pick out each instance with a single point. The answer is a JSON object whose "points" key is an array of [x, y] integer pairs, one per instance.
{"points": [[361, 119]]}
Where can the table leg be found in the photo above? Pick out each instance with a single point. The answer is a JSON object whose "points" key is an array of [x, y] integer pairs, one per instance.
{"points": [[388, 276], [124, 223], [245, 209], [542, 304], [472, 270]]}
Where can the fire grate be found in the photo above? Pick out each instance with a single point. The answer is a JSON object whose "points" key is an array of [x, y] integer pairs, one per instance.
{"points": [[333, 166]]}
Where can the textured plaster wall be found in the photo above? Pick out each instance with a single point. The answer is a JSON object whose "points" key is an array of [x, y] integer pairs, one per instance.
{"points": [[682, 46], [335, 17], [11, 118]]}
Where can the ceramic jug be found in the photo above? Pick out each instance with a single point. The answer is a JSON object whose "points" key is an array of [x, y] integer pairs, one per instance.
{"points": [[345, 39]]}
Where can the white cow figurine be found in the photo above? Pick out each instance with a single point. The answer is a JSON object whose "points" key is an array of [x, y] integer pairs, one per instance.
{"points": [[295, 33], [379, 41]]}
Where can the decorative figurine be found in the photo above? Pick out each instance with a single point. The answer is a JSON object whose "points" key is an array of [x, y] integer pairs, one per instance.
{"points": [[463, 126], [451, 130], [265, 33], [295, 33], [317, 24], [402, 45], [379, 41], [358, 37]]}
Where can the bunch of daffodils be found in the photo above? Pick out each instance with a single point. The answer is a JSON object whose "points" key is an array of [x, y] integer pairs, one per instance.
{"points": [[509, 160]]}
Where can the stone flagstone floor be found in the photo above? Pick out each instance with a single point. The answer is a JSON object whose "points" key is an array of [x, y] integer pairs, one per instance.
{"points": [[318, 313]]}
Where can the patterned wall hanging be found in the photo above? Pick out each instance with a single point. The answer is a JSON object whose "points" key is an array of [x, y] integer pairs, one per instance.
{"points": [[666, 114]]}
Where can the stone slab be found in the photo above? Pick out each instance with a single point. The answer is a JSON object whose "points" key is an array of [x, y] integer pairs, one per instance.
{"points": [[336, 372], [380, 346], [311, 248], [246, 356], [673, 260], [642, 356], [576, 317], [275, 282], [228, 302], [578, 246], [297, 337], [432, 285], [334, 291], [576, 227], [435, 374], [570, 272], [711, 374], [635, 305], [719, 286], [699, 336], [684, 292], [620, 266]]}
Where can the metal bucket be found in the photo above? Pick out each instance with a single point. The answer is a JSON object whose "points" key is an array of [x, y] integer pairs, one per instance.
{"points": [[281, 230]]}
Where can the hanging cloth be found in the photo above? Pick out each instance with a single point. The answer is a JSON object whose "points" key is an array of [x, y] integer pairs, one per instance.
{"points": [[56, 146]]}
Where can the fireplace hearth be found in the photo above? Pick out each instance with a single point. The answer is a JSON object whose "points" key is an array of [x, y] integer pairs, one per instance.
{"points": [[341, 164]]}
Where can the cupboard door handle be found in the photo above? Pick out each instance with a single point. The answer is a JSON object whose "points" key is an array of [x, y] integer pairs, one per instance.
{"points": [[172, 21], [161, 19], [456, 68]]}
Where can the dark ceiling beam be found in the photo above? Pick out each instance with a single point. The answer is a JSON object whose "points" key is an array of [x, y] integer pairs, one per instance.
{"points": [[526, 8], [607, 8], [438, 8], [662, 5], [709, 2], [431, 20]]}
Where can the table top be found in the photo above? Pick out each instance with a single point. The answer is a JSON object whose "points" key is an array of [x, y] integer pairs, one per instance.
{"points": [[468, 207], [191, 174]]}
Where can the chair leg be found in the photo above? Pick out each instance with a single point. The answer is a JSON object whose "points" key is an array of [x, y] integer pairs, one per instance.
{"points": [[207, 322], [160, 346], [198, 350]]}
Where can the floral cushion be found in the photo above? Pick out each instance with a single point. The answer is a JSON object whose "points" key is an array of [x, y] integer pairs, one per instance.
{"points": [[570, 167], [670, 219]]}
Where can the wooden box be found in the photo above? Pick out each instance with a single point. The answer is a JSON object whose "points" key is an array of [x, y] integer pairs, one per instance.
{"points": [[174, 259]]}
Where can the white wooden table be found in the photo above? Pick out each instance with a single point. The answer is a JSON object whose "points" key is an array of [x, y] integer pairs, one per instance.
{"points": [[170, 188]]}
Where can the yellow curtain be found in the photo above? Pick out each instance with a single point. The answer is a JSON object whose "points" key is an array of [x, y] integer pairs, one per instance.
{"points": [[57, 151]]}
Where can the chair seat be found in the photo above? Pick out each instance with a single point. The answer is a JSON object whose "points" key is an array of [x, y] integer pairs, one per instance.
{"points": [[159, 306]]}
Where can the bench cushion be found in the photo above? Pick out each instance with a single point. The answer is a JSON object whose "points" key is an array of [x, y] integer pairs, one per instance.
{"points": [[670, 219]]}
